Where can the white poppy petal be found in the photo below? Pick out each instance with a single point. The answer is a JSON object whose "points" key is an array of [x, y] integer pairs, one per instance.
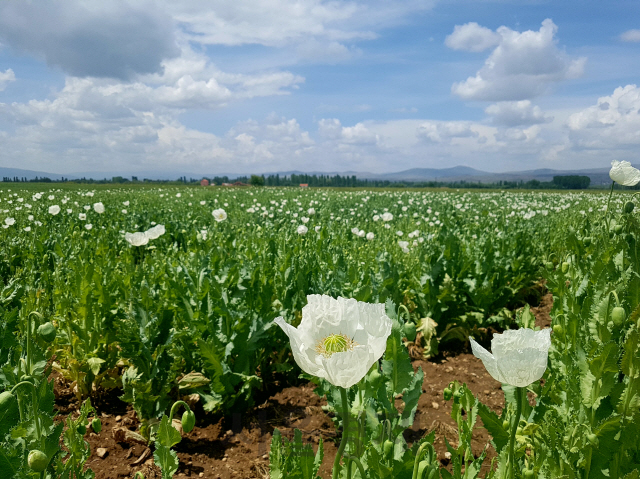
{"points": [[299, 349], [488, 360], [348, 368]]}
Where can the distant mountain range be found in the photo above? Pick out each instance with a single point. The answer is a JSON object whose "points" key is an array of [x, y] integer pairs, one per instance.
{"points": [[599, 176]]}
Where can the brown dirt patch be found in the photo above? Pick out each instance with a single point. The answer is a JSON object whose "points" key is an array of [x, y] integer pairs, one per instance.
{"points": [[237, 445]]}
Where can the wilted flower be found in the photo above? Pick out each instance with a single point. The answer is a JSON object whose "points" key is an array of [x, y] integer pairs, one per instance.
{"points": [[219, 214], [98, 208], [155, 232], [386, 216], [302, 230], [370, 236], [624, 174], [519, 356], [338, 339], [54, 210], [136, 239]]}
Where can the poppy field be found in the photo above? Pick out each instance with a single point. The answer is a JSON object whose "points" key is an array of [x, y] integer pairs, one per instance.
{"points": [[191, 304]]}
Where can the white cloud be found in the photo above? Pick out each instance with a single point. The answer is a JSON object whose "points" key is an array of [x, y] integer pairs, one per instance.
{"points": [[472, 37], [523, 65], [515, 113], [612, 123], [6, 77], [630, 36], [100, 39], [446, 131]]}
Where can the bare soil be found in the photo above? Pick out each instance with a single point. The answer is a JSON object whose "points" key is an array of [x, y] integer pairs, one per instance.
{"points": [[237, 445]]}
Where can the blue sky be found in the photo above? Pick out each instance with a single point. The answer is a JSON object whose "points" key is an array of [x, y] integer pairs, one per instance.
{"points": [[206, 87]]}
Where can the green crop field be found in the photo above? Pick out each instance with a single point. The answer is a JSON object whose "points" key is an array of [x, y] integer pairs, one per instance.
{"points": [[168, 295]]}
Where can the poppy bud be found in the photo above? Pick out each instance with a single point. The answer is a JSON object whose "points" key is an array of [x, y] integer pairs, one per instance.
{"points": [[96, 425], [617, 229], [6, 399], [558, 329], [82, 429], [188, 421], [618, 316], [565, 267], [628, 207], [47, 332], [447, 394], [38, 461], [593, 439], [387, 448], [410, 331]]}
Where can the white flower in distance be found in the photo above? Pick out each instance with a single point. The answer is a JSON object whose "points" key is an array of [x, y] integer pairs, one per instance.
{"points": [[317, 228], [376, 217], [126, 203], [404, 246], [338, 339], [98, 208], [9, 221], [370, 236], [304, 219], [311, 211], [519, 356], [624, 174], [155, 232], [88, 226], [136, 239], [82, 216], [387, 216], [302, 230], [54, 210], [219, 215]]}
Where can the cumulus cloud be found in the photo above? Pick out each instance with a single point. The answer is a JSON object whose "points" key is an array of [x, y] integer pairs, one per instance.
{"points": [[446, 131], [97, 39], [516, 113], [630, 36], [6, 77], [522, 66], [472, 37], [612, 123]]}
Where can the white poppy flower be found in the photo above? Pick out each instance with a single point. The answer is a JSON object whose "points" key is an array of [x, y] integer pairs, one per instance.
{"points": [[27, 229], [155, 232], [124, 212], [361, 233], [387, 216], [302, 230], [370, 236], [136, 239], [624, 174], [311, 211], [519, 356], [54, 210], [98, 208], [404, 246], [126, 203], [376, 217], [304, 219], [203, 203], [317, 228], [338, 339], [88, 226], [9, 221], [219, 215], [82, 216]]}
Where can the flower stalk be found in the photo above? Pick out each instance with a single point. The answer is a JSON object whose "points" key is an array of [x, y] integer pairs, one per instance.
{"points": [[345, 432], [520, 394]]}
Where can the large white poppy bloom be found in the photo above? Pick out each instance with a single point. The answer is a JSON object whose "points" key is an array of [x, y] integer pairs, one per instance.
{"points": [[98, 207], [519, 356], [338, 339], [219, 215], [54, 210], [136, 239], [624, 174], [155, 232]]}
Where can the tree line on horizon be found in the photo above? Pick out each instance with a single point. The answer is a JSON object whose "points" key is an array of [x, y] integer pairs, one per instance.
{"points": [[572, 182]]}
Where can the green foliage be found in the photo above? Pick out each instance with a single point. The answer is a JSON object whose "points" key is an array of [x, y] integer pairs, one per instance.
{"points": [[293, 459]]}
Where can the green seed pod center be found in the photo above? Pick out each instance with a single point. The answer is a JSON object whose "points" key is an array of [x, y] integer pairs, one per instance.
{"points": [[335, 343]]}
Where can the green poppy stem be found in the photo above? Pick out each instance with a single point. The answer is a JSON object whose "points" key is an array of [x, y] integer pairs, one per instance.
{"points": [[345, 433], [520, 394], [608, 203]]}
